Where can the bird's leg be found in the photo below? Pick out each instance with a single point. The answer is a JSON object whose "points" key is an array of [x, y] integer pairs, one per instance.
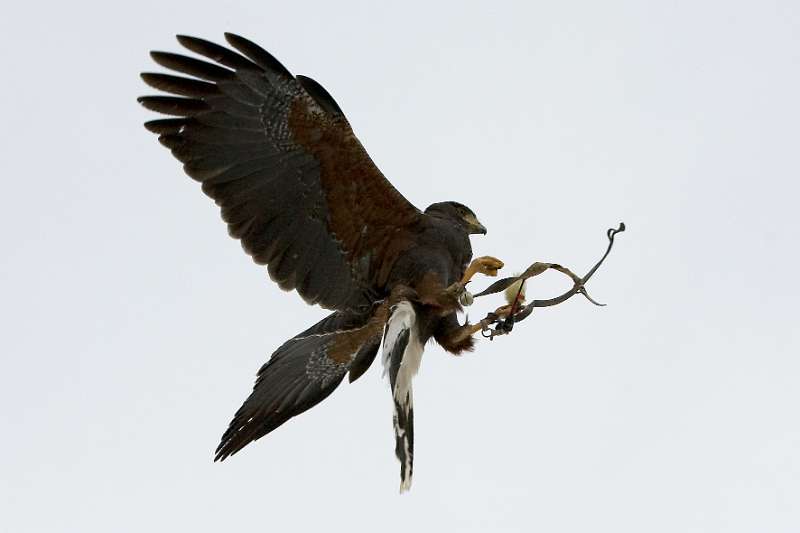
{"points": [[486, 265], [503, 311], [451, 297], [457, 292], [467, 330]]}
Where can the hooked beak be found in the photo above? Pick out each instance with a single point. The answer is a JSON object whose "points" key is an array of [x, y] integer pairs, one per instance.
{"points": [[475, 227], [478, 229]]}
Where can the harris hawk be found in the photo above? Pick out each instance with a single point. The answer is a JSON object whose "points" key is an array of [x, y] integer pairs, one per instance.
{"points": [[297, 188]]}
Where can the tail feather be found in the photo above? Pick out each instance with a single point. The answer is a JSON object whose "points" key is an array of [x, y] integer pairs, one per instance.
{"points": [[404, 438], [402, 354]]}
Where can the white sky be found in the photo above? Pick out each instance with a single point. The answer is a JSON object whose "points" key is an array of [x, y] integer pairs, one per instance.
{"points": [[132, 325]]}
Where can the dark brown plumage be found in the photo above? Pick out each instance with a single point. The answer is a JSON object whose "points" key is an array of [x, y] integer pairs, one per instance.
{"points": [[299, 191]]}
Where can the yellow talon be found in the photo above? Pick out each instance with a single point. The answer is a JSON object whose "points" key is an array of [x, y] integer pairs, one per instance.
{"points": [[486, 265]]}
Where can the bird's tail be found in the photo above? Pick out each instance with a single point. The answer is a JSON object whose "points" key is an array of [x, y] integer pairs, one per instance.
{"points": [[404, 438], [402, 354]]}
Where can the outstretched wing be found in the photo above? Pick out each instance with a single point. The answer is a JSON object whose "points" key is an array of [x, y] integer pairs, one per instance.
{"points": [[303, 372], [278, 156]]}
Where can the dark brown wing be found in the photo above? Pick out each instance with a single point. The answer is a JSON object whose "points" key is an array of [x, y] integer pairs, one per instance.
{"points": [[278, 156], [303, 372]]}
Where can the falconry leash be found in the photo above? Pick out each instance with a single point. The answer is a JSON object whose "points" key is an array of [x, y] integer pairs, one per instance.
{"points": [[501, 321]]}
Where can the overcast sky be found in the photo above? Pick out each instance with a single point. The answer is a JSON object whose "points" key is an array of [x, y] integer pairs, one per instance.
{"points": [[132, 325]]}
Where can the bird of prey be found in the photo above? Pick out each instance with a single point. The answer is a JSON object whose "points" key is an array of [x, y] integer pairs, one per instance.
{"points": [[297, 188]]}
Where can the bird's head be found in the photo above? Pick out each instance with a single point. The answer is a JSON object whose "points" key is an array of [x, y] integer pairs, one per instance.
{"points": [[458, 213]]}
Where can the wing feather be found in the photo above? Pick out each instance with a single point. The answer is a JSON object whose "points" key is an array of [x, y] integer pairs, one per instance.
{"points": [[278, 156], [302, 373], [258, 55], [191, 66]]}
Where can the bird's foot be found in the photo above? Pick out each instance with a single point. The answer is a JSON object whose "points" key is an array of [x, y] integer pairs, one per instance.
{"points": [[486, 265], [503, 311]]}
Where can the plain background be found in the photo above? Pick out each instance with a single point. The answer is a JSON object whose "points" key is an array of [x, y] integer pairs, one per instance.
{"points": [[132, 325]]}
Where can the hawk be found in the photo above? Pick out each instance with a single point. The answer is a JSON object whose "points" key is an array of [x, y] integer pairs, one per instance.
{"points": [[297, 188]]}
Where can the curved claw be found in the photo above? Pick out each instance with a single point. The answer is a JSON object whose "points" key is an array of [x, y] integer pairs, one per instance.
{"points": [[486, 265]]}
